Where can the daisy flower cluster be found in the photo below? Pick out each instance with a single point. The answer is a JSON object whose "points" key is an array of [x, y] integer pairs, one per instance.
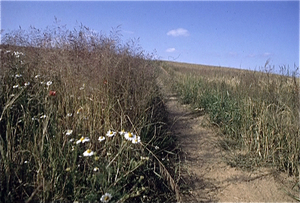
{"points": [[133, 138], [127, 135]]}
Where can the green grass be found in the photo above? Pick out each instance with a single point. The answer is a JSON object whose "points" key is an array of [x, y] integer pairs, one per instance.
{"points": [[257, 112], [58, 86]]}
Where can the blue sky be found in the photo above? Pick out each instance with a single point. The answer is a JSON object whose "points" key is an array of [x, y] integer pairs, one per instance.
{"points": [[239, 34]]}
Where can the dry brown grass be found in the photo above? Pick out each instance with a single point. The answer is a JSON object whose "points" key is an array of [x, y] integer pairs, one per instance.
{"points": [[56, 80], [257, 110]]}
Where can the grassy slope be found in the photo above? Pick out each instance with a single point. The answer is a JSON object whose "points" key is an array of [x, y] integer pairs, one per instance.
{"points": [[257, 112]]}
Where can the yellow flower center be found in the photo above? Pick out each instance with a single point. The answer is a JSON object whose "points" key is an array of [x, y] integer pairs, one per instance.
{"points": [[106, 198], [81, 139], [130, 135], [111, 132], [88, 151]]}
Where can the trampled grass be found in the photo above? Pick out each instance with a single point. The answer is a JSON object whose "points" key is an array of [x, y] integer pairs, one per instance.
{"points": [[81, 120], [257, 112]]}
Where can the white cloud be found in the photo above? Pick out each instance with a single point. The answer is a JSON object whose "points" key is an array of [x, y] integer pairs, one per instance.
{"points": [[170, 50], [267, 54], [178, 32]]}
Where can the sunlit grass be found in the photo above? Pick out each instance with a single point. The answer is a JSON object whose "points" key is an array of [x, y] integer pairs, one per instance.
{"points": [[257, 112], [80, 121]]}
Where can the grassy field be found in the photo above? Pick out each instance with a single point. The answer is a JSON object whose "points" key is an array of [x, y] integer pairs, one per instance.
{"points": [[257, 113], [81, 119]]}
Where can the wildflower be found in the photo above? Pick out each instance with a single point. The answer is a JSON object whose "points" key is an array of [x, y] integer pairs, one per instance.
{"points": [[43, 116], [69, 132], [106, 197], [18, 75], [96, 169], [36, 76], [52, 93], [17, 54], [101, 138], [88, 152], [83, 140], [68, 169], [71, 140], [26, 84], [49, 83], [69, 114], [122, 132], [15, 86], [156, 147], [25, 162], [96, 158], [144, 158], [110, 133], [82, 88], [79, 110], [129, 136], [136, 140]]}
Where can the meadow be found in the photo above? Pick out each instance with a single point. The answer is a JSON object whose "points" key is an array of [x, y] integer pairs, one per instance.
{"points": [[255, 112], [82, 119]]}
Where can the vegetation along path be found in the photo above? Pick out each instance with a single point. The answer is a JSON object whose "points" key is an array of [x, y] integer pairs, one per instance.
{"points": [[205, 172]]}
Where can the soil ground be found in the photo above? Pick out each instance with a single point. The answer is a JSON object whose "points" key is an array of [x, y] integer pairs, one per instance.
{"points": [[205, 172]]}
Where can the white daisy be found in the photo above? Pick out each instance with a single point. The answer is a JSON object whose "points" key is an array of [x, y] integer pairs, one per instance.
{"points": [[69, 114], [83, 140], [49, 83], [110, 133], [106, 197], [101, 138], [129, 136], [136, 140], [69, 132], [26, 84], [79, 110], [88, 152], [122, 132], [43, 116]]}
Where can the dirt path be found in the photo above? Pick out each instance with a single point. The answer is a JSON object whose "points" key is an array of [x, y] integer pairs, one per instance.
{"points": [[210, 179]]}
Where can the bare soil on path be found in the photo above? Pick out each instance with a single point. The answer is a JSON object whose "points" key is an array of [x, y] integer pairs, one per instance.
{"points": [[205, 172]]}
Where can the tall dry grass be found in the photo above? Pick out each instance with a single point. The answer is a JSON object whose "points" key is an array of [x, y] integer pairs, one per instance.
{"points": [[67, 98], [257, 112]]}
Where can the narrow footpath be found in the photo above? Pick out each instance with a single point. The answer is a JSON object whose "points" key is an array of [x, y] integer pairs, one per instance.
{"points": [[205, 171]]}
